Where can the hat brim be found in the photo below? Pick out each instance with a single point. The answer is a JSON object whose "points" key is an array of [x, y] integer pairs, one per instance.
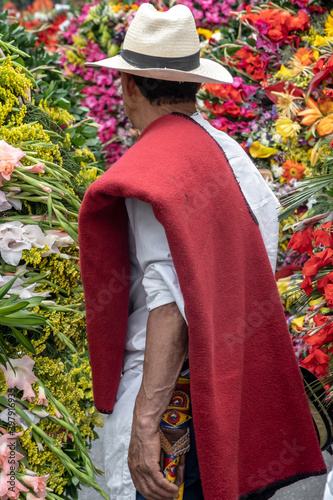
{"points": [[207, 72]]}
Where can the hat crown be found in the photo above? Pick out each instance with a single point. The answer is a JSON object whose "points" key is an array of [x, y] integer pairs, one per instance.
{"points": [[163, 34]]}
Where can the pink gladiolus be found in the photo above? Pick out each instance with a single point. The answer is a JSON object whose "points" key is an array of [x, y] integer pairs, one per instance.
{"points": [[46, 189], [9, 158], [8, 452], [22, 377], [16, 487], [39, 168], [38, 484], [42, 400], [58, 414]]}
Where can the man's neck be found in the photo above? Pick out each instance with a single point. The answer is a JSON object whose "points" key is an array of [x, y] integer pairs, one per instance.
{"points": [[153, 112]]}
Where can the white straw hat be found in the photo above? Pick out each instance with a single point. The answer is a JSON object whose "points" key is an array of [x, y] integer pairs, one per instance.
{"points": [[165, 46]]}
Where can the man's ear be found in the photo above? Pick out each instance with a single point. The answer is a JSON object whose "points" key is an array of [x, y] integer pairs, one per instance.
{"points": [[128, 84]]}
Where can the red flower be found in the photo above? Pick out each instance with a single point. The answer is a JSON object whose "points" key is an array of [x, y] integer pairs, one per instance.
{"points": [[329, 295], [324, 336], [224, 91], [301, 241], [316, 362], [307, 286], [319, 260], [318, 66], [323, 235], [321, 284]]}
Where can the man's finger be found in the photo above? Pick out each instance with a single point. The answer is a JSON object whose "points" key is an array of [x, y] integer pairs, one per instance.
{"points": [[154, 484]]}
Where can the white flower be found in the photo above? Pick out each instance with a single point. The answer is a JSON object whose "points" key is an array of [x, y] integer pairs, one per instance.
{"points": [[16, 237], [55, 239], [24, 292], [277, 138], [276, 169]]}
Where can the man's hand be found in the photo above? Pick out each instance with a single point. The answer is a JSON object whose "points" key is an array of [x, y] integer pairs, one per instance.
{"points": [[144, 464], [166, 347]]}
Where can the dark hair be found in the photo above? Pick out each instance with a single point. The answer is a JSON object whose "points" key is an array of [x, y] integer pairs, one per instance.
{"points": [[166, 92]]}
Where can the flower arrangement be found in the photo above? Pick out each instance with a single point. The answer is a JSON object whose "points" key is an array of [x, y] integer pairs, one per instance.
{"points": [[42, 17], [47, 417], [279, 108]]}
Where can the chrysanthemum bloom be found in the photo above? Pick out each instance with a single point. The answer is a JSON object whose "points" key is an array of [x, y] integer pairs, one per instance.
{"points": [[286, 127], [22, 377], [292, 170], [306, 56], [286, 103]]}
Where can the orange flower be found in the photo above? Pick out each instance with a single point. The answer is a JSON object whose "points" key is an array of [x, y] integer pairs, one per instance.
{"points": [[312, 114], [325, 126], [326, 105], [292, 170], [305, 56]]}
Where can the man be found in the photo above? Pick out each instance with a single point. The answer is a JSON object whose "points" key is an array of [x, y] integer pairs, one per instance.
{"points": [[177, 241]]}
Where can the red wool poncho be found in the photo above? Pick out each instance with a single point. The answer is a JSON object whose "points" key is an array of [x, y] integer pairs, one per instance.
{"points": [[253, 426]]}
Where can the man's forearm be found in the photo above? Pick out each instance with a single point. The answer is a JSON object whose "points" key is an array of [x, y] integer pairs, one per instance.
{"points": [[166, 348]]}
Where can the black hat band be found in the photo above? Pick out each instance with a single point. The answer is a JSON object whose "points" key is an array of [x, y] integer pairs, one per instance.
{"points": [[142, 61]]}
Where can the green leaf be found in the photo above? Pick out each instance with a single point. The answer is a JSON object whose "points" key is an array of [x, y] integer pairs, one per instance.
{"points": [[5, 288], [4, 311], [23, 340]]}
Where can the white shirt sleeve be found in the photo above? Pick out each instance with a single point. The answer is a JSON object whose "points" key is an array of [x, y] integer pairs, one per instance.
{"points": [[160, 279]]}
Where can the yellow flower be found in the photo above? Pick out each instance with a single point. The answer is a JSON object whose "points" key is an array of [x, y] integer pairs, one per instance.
{"points": [[297, 323], [285, 104], [284, 72], [206, 33], [314, 154], [329, 25], [283, 284], [286, 127], [257, 150], [322, 40]]}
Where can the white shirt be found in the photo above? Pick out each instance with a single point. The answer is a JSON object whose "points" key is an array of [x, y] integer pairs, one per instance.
{"points": [[154, 283]]}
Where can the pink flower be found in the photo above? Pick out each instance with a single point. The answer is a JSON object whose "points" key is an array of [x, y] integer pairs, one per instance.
{"points": [[22, 377], [8, 452], [46, 189], [7, 482], [36, 169], [42, 400], [9, 158], [58, 414], [38, 484]]}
